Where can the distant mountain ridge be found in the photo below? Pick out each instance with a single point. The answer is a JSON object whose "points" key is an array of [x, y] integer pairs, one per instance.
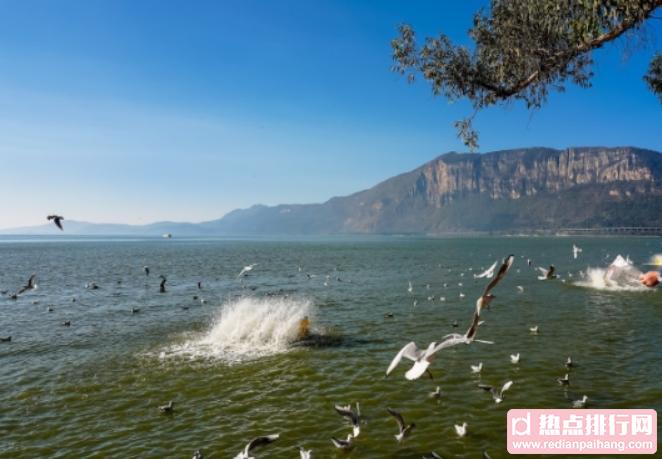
{"points": [[507, 191]]}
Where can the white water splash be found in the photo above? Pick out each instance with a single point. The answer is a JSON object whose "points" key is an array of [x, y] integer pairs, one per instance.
{"points": [[620, 276], [247, 328]]}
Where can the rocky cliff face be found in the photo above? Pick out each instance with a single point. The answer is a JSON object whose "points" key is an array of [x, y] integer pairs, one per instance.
{"points": [[534, 188]]}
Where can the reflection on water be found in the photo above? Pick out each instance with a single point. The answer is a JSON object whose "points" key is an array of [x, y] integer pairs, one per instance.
{"points": [[235, 368]]}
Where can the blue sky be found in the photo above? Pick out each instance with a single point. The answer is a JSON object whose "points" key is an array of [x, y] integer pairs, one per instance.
{"points": [[138, 111]]}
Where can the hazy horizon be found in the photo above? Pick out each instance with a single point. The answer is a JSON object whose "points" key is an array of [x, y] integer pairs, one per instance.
{"points": [[139, 113]]}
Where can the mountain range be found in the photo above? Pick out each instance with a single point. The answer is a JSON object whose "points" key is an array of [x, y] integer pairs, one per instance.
{"points": [[519, 190]]}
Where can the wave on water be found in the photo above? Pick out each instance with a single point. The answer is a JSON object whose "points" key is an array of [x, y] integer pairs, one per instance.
{"points": [[247, 328]]}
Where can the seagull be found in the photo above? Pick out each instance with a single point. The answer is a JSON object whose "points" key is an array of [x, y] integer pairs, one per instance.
{"points": [[199, 285], [67, 323], [57, 219], [254, 443], [575, 251], [31, 285], [565, 381], [436, 393], [568, 363], [91, 286], [462, 295], [305, 454], [5, 339], [520, 289], [580, 403], [246, 269], [432, 455], [547, 274], [423, 358], [461, 430], [353, 416], [485, 455], [477, 368], [197, 455], [162, 288], [514, 358], [342, 444], [489, 272], [534, 330], [169, 408], [135, 310], [404, 429], [146, 269], [496, 395]]}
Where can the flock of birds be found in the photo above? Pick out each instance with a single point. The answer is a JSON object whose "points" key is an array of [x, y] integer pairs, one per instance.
{"points": [[421, 358]]}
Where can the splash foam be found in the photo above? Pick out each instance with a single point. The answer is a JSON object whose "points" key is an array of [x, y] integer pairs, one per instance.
{"points": [[248, 328]]}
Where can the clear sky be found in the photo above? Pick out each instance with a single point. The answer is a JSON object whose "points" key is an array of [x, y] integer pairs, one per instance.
{"points": [[139, 111]]}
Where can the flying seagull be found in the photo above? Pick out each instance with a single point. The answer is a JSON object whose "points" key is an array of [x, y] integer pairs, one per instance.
{"points": [[575, 251], [423, 358], [31, 285], [342, 444], [514, 358], [477, 368], [497, 395], [246, 269], [410, 288], [353, 416], [162, 288], [489, 272], [57, 219], [404, 429], [254, 443], [305, 454], [547, 274]]}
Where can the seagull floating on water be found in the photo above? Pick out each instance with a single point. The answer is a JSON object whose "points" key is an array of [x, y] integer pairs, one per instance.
{"points": [[404, 429], [435, 393], [254, 443], [198, 455], [169, 408], [568, 363], [146, 269], [5, 339], [496, 395], [580, 403], [534, 330], [353, 416], [432, 455], [162, 288], [520, 289], [461, 429], [57, 219], [514, 358]]}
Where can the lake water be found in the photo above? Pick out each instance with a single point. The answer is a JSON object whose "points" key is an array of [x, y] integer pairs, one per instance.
{"points": [[93, 389]]}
